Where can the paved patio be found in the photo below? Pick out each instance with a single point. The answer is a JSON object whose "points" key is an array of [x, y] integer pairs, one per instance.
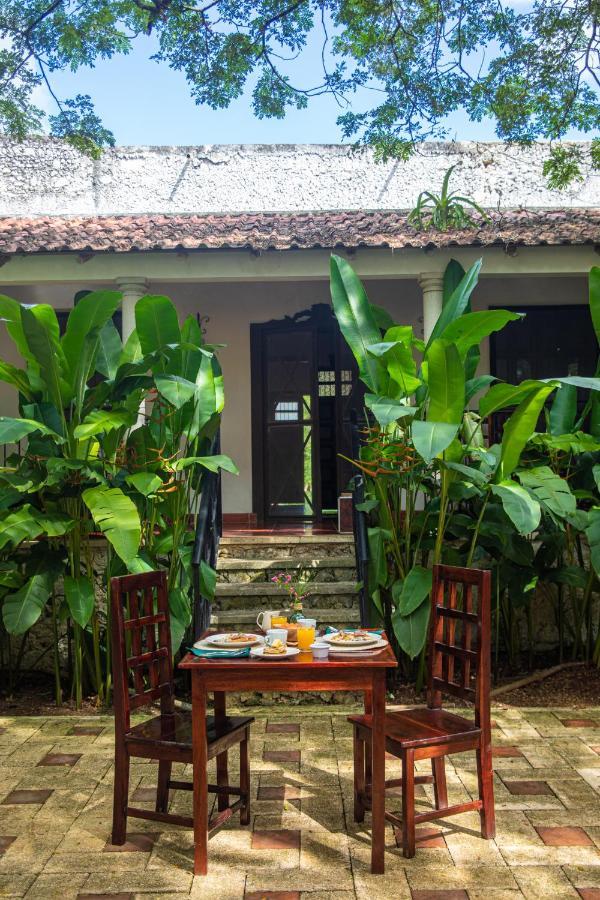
{"points": [[55, 810]]}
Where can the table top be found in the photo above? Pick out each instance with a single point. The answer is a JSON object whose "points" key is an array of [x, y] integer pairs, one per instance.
{"points": [[363, 659]]}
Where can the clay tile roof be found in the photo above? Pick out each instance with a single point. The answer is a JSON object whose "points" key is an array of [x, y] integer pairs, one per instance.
{"points": [[284, 231]]}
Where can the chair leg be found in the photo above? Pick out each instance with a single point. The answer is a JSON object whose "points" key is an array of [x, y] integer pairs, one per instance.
{"points": [[359, 777], [222, 780], [120, 796], [438, 767], [408, 803], [485, 777], [162, 791], [245, 778]]}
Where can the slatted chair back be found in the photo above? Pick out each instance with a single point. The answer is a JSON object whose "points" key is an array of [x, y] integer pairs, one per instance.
{"points": [[460, 638], [141, 646]]}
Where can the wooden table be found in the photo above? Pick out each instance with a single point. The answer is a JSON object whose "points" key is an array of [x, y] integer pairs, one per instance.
{"points": [[364, 672]]}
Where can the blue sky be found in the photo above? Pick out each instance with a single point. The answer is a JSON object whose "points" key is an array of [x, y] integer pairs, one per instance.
{"points": [[144, 102]]}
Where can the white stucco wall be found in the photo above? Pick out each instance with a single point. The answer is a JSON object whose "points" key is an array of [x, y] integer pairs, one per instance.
{"points": [[46, 177]]}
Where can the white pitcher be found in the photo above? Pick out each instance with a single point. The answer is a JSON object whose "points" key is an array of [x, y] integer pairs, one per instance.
{"points": [[264, 619]]}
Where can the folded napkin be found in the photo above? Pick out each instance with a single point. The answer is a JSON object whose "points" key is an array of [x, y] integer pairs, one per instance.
{"points": [[219, 654], [331, 630]]}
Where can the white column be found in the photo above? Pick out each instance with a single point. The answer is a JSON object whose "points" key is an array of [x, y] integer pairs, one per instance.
{"points": [[432, 285], [132, 289]]}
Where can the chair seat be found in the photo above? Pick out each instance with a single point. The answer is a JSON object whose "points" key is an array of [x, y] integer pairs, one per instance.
{"points": [[178, 729], [422, 727]]}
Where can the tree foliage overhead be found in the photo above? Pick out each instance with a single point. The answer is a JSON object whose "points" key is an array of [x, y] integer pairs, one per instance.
{"points": [[533, 69]]}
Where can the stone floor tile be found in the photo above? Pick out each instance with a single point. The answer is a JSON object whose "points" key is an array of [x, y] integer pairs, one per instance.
{"points": [[272, 895], [136, 842], [461, 878], [506, 751], [15, 885], [120, 896], [56, 887], [457, 894], [86, 730], [581, 723], [543, 882], [155, 881]]}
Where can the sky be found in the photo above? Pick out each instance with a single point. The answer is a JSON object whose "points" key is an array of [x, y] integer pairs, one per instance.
{"points": [[145, 102]]}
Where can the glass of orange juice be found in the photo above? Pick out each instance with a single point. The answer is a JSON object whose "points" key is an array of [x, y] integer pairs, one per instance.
{"points": [[306, 633], [278, 621]]}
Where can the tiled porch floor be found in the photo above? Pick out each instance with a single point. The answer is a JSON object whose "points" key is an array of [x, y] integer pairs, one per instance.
{"points": [[55, 810]]}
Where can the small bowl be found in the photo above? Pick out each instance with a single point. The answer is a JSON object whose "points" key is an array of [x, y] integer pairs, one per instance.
{"points": [[319, 650]]}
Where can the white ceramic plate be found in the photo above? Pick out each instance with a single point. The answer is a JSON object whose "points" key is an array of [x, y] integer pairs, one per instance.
{"points": [[334, 641], [224, 640], [259, 653], [357, 648]]}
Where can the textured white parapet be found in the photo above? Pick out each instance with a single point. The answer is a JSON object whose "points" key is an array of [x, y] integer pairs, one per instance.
{"points": [[47, 177]]}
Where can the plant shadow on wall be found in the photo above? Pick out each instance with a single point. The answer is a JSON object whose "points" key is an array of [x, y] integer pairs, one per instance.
{"points": [[528, 508], [113, 438]]}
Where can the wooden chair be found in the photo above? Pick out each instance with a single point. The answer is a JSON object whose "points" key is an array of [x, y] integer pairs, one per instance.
{"points": [[142, 665], [459, 664]]}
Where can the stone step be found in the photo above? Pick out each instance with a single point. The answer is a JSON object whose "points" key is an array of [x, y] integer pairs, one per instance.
{"points": [[303, 546], [263, 595], [328, 568], [242, 618]]}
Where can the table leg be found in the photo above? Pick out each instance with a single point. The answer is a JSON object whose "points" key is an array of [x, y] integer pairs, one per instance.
{"points": [[368, 758], [378, 774], [222, 768], [199, 755]]}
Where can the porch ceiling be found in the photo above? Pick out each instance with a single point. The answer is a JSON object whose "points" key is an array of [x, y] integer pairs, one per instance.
{"points": [[286, 231]]}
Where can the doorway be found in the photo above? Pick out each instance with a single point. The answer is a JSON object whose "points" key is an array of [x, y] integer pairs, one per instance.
{"points": [[304, 386]]}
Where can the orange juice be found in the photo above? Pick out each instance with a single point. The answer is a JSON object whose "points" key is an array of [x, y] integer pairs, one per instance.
{"points": [[306, 636], [278, 621]]}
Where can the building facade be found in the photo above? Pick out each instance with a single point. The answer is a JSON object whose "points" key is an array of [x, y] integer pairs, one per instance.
{"points": [[241, 237]]}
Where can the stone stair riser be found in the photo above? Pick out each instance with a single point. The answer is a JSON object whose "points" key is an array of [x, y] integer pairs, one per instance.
{"points": [[276, 548], [323, 574]]}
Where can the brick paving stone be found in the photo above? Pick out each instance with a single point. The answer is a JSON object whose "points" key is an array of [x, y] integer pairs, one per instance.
{"points": [[529, 788], [19, 797], [507, 752], [565, 837], [589, 893], [282, 728], [291, 756], [580, 723], [276, 839], [60, 759], [135, 843], [272, 895], [5, 841], [440, 895]]}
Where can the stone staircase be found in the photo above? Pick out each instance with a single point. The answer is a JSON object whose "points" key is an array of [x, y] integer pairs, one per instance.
{"points": [[247, 563]]}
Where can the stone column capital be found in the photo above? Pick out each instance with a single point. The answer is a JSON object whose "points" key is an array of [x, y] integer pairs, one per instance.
{"points": [[431, 281], [132, 284]]}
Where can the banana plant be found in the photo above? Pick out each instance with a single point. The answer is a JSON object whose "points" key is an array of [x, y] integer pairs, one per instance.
{"points": [[435, 493], [90, 463]]}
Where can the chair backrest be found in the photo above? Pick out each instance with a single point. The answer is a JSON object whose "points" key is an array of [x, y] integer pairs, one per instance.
{"points": [[460, 638], [142, 662]]}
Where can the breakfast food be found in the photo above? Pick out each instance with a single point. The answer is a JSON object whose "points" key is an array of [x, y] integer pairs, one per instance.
{"points": [[350, 637], [277, 648], [238, 637]]}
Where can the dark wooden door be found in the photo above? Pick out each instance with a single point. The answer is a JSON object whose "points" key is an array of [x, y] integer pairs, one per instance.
{"points": [[304, 383]]}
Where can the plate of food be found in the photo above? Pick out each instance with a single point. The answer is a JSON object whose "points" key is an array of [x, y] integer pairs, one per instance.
{"points": [[354, 639], [233, 639], [379, 644], [276, 650]]}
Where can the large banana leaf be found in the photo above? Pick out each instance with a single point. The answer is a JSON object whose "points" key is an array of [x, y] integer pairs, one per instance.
{"points": [[446, 381], [520, 507], [79, 593], [117, 517], [212, 463], [45, 348], [398, 359], [175, 389], [156, 323], [18, 526], [14, 430], [209, 398], [22, 609], [109, 350], [563, 412], [413, 591], [102, 421], [519, 428], [16, 377], [594, 296], [90, 314], [552, 491], [432, 438], [355, 318], [471, 328], [387, 411], [502, 395], [457, 303], [411, 630]]}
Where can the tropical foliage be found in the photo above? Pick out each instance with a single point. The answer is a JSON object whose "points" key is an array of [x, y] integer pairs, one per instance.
{"points": [[531, 69], [445, 210], [112, 439], [528, 507]]}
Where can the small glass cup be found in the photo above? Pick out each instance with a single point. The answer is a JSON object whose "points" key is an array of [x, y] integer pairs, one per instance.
{"points": [[306, 633]]}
